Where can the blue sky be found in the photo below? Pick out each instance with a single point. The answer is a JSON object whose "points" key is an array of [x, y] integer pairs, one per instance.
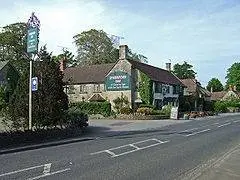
{"points": [[204, 33]]}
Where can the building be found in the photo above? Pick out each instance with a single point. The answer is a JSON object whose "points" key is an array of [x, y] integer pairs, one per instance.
{"points": [[225, 95], [110, 81], [195, 95], [8, 73]]}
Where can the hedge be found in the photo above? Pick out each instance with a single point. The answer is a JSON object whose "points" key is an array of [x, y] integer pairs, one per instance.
{"points": [[103, 108]]}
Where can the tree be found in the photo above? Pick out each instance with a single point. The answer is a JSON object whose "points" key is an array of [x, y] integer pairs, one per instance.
{"points": [[184, 71], [233, 76], [137, 57], [13, 45], [68, 56], [94, 47], [215, 85], [49, 101]]}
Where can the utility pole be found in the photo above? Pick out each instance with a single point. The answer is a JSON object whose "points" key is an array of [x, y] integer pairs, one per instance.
{"points": [[32, 49]]}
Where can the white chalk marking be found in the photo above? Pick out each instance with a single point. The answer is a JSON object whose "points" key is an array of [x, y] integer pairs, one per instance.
{"points": [[49, 174], [205, 130], [224, 125]]}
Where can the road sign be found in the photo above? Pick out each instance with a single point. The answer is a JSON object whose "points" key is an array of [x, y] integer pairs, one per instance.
{"points": [[34, 84], [174, 113], [32, 40]]}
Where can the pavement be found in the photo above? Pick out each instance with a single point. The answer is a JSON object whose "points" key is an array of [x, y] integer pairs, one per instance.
{"points": [[206, 148]]}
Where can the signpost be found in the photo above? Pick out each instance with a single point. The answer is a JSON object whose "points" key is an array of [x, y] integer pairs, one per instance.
{"points": [[34, 84], [32, 49], [174, 113]]}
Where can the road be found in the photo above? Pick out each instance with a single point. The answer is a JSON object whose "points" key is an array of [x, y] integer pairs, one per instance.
{"points": [[172, 152]]}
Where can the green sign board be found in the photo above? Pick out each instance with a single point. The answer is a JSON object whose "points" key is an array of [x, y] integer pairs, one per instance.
{"points": [[32, 40], [118, 81]]}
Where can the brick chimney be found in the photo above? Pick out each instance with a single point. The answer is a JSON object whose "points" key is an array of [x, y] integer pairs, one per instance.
{"points": [[62, 64], [123, 51], [168, 66]]}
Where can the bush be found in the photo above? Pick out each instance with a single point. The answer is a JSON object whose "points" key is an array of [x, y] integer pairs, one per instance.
{"points": [[145, 110], [157, 112], [147, 105], [76, 118], [166, 110], [220, 106], [126, 110], [103, 108]]}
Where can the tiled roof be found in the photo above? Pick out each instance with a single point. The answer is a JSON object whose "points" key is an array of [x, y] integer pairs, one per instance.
{"points": [[191, 85], [87, 74], [156, 74], [217, 95], [3, 64]]}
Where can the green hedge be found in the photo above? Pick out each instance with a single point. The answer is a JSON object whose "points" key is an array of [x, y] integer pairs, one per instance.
{"points": [[103, 108]]}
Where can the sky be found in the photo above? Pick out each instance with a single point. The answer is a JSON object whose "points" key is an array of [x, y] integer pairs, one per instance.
{"points": [[204, 33]]}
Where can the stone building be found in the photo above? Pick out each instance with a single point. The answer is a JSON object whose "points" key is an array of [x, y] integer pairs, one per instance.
{"points": [[109, 81]]}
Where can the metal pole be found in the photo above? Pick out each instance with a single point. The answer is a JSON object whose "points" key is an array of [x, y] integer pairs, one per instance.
{"points": [[30, 95]]}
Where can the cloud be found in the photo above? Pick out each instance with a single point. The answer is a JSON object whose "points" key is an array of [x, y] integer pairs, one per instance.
{"points": [[61, 20]]}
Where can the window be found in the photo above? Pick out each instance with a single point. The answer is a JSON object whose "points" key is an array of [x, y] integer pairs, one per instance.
{"points": [[158, 87], [70, 89], [96, 87], [176, 89], [82, 89]]}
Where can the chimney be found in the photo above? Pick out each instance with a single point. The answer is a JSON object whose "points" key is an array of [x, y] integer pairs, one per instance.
{"points": [[168, 66], [123, 51], [62, 64], [211, 89]]}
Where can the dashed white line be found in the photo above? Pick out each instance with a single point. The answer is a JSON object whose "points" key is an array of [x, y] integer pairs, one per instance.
{"points": [[205, 130], [236, 121], [187, 130], [49, 174], [224, 124]]}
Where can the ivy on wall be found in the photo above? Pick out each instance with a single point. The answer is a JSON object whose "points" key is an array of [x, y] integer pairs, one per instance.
{"points": [[146, 89]]}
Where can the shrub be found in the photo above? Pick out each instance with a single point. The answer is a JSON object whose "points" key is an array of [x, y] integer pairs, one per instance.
{"points": [[120, 102], [144, 110], [166, 110], [126, 110], [103, 108], [220, 106], [147, 105], [76, 118], [157, 112]]}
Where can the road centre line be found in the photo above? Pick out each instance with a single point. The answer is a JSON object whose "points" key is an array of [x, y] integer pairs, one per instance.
{"points": [[205, 130], [224, 124], [49, 174], [236, 121], [21, 170]]}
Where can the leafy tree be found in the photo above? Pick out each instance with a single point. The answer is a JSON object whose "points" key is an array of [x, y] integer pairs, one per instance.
{"points": [[215, 85], [68, 56], [13, 45], [233, 76], [94, 47], [137, 57], [49, 101], [184, 71]]}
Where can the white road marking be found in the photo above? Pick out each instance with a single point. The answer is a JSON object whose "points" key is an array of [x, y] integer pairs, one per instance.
{"points": [[49, 174], [205, 130], [187, 130], [134, 145], [127, 152], [21, 170], [236, 121], [216, 123], [224, 125], [110, 152], [47, 168]]}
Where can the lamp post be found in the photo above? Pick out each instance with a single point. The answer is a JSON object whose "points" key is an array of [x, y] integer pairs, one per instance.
{"points": [[32, 48]]}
